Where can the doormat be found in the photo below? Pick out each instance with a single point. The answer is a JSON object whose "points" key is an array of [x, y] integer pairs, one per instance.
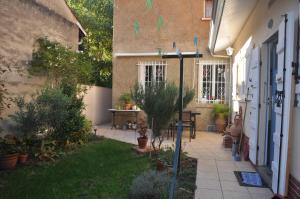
{"points": [[249, 179]]}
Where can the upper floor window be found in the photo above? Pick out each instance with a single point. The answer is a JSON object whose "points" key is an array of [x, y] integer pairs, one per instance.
{"points": [[212, 82], [150, 72], [208, 6]]}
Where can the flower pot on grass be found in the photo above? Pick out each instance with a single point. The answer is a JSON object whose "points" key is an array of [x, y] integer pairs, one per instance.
{"points": [[23, 158], [142, 130], [142, 142], [8, 161], [8, 152]]}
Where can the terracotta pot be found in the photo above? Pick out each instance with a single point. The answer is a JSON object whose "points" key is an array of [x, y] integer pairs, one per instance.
{"points": [[127, 106], [236, 129], [220, 124], [142, 141], [160, 165], [23, 158], [9, 161]]}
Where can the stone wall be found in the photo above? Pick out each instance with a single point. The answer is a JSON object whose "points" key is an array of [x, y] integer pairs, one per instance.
{"points": [[22, 23]]}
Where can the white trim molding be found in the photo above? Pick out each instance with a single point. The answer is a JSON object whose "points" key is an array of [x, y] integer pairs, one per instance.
{"points": [[148, 54]]}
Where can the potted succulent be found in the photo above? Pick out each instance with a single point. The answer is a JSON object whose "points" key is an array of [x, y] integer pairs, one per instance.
{"points": [[8, 152], [142, 130], [220, 114], [125, 99]]}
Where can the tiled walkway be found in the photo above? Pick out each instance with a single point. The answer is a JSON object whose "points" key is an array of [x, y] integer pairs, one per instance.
{"points": [[215, 177]]}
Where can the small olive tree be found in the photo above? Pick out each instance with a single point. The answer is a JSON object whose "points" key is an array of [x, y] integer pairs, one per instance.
{"points": [[160, 102]]}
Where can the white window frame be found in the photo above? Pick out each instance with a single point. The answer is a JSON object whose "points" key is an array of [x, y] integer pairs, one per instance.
{"points": [[204, 11], [143, 67], [213, 81]]}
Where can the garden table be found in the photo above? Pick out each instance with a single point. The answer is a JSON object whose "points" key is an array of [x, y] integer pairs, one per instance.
{"points": [[114, 111]]}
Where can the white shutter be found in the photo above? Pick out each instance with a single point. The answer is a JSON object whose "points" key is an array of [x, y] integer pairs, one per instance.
{"points": [[141, 73], [298, 85], [253, 106], [284, 50]]}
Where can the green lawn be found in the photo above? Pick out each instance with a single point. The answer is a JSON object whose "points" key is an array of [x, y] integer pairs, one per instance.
{"points": [[99, 170]]}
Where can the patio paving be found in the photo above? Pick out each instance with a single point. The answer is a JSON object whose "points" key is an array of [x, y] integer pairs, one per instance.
{"points": [[215, 177]]}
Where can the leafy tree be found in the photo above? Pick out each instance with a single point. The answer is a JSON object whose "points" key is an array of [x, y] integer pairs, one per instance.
{"points": [[60, 64], [97, 19]]}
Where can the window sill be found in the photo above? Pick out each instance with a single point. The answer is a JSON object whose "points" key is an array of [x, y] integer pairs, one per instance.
{"points": [[205, 19]]}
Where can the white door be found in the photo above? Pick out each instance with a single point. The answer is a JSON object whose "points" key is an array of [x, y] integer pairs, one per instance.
{"points": [[285, 50], [253, 104], [298, 83]]}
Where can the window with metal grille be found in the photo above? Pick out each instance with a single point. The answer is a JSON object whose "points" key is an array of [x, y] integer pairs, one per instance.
{"points": [[152, 71], [212, 82]]}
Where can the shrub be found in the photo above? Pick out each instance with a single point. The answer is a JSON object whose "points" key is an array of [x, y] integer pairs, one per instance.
{"points": [[160, 103], [150, 185], [26, 118]]}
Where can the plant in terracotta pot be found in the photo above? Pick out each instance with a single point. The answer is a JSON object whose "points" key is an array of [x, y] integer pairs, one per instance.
{"points": [[142, 130], [160, 102], [23, 151], [8, 152], [220, 114], [125, 99]]}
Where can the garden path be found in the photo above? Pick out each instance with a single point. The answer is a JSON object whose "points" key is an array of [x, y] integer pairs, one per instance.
{"points": [[215, 177]]}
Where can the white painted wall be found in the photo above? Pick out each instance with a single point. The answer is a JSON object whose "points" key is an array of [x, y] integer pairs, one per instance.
{"points": [[257, 29], [97, 100]]}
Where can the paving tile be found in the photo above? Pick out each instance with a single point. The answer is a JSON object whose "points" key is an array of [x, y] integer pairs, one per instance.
{"points": [[207, 175], [261, 196], [232, 186], [208, 184], [227, 176], [208, 194], [236, 195], [258, 190]]}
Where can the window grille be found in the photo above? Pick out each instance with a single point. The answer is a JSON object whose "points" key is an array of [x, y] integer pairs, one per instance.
{"points": [[152, 71], [212, 81]]}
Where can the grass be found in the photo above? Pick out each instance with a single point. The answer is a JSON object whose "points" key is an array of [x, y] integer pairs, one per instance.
{"points": [[99, 170]]}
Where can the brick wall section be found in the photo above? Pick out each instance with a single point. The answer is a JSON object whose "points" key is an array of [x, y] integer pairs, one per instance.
{"points": [[294, 188], [22, 23]]}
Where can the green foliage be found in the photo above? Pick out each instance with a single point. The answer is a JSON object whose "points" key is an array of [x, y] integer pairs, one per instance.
{"points": [[97, 19], [8, 145], [55, 111], [58, 63], [220, 110], [150, 184], [125, 98], [160, 103], [26, 118]]}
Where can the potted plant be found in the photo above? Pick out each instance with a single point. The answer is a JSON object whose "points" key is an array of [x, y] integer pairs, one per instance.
{"points": [[125, 99], [142, 130], [8, 152], [220, 114], [23, 152], [160, 102]]}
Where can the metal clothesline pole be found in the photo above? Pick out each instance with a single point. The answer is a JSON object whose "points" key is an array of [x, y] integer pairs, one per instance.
{"points": [[176, 161]]}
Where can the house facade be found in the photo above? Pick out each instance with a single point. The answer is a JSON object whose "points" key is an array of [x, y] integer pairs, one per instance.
{"points": [[265, 82], [143, 32], [22, 23]]}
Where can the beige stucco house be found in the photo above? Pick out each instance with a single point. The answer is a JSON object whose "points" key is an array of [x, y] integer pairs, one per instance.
{"points": [[142, 32], [22, 22], [265, 74]]}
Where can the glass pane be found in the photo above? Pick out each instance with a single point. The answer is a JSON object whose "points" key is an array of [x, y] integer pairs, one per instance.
{"points": [[208, 8]]}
